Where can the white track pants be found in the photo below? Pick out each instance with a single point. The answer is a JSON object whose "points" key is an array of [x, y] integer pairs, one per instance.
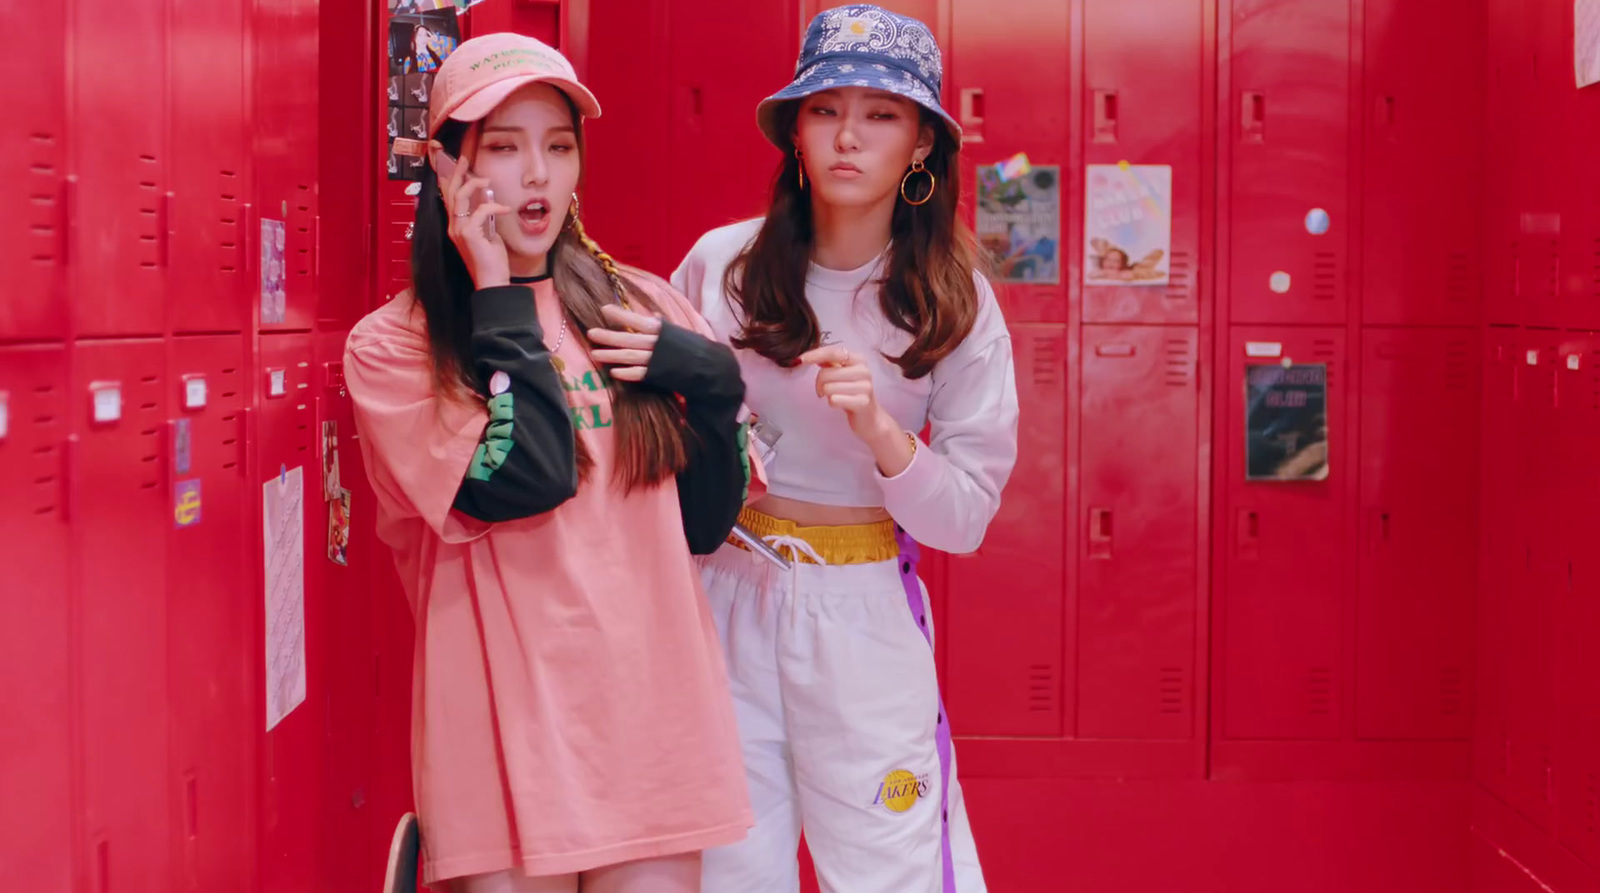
{"points": [[839, 712]]}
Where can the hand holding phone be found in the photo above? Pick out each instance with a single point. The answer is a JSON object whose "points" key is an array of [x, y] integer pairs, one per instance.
{"points": [[470, 203]]}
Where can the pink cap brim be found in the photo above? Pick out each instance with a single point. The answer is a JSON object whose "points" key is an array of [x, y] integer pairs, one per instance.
{"points": [[480, 104]]}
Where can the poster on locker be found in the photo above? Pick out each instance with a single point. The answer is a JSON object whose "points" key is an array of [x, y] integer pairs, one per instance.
{"points": [[274, 272], [283, 535], [330, 459], [339, 529], [1127, 224], [1019, 225], [404, 6], [1586, 41], [421, 37], [1286, 422]]}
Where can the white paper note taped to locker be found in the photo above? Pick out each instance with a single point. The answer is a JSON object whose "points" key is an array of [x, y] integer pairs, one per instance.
{"points": [[284, 548]]}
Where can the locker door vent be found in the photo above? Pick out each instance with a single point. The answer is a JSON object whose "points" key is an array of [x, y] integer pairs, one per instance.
{"points": [[1174, 691], [43, 198], [149, 215], [1041, 688], [1452, 692], [1178, 278], [1325, 351], [1459, 281], [1046, 361], [149, 418], [230, 211], [1320, 691], [46, 453], [1458, 374], [1592, 366], [302, 261], [1550, 280], [1325, 279], [1180, 363]]}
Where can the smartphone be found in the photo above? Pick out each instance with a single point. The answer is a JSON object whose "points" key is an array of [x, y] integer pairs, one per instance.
{"points": [[444, 167]]}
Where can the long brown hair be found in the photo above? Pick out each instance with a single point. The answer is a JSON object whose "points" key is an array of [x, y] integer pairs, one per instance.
{"points": [[650, 425], [928, 289]]}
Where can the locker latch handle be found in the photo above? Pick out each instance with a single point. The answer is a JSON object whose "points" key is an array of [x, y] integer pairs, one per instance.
{"points": [[972, 115], [1380, 528], [1105, 116], [1249, 534], [1100, 533], [1253, 117]]}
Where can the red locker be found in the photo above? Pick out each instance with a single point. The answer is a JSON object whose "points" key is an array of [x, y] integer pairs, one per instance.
{"points": [[1507, 107], [1423, 167], [1418, 466], [285, 149], [339, 633], [345, 168], [1005, 665], [120, 498], [1010, 89], [926, 10], [33, 233], [120, 208], [293, 753], [210, 281], [35, 646], [1580, 212], [1136, 110], [709, 108], [1288, 113], [1282, 606], [625, 191], [213, 658], [1500, 560], [1577, 613], [1539, 579], [1544, 184], [1137, 591]]}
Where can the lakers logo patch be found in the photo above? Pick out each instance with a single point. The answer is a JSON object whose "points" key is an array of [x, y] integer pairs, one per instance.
{"points": [[900, 790]]}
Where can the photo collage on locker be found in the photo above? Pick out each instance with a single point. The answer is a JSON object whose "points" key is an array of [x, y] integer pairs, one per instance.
{"points": [[420, 39]]}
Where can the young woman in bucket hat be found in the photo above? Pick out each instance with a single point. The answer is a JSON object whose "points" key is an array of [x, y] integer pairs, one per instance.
{"points": [[549, 437], [859, 319]]}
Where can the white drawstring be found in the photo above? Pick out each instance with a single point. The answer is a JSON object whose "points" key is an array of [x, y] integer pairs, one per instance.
{"points": [[797, 546]]}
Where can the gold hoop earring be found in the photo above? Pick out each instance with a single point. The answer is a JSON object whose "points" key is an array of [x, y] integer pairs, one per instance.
{"points": [[572, 212], [800, 166], [933, 183]]}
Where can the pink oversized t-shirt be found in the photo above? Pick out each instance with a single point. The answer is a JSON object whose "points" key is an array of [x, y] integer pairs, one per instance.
{"points": [[571, 707]]}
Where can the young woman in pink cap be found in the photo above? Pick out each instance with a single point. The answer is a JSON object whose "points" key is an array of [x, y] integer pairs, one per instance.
{"points": [[859, 319], [549, 437]]}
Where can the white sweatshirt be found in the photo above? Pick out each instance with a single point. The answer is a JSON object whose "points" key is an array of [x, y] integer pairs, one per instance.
{"points": [[950, 492]]}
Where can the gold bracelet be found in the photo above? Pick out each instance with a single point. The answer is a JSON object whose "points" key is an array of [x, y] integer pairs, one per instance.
{"points": [[913, 438]]}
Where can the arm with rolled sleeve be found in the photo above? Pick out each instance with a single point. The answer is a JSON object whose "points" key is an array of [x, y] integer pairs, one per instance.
{"points": [[950, 492]]}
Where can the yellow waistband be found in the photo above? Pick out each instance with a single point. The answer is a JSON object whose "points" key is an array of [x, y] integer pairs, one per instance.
{"points": [[844, 544]]}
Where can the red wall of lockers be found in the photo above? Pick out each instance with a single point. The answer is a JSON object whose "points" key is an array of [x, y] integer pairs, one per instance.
{"points": [[1166, 677]]}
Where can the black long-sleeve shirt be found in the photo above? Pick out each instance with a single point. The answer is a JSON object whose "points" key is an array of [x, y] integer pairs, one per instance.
{"points": [[526, 463]]}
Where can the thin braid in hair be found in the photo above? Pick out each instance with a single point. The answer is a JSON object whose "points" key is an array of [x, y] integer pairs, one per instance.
{"points": [[606, 261]]}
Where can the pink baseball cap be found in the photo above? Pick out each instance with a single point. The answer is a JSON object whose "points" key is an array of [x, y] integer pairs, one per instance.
{"points": [[483, 71]]}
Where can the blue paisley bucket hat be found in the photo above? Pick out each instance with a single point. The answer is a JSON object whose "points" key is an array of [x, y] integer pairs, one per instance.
{"points": [[863, 46]]}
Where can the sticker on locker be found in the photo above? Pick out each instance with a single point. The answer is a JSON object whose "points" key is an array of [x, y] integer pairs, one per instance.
{"points": [[107, 401]]}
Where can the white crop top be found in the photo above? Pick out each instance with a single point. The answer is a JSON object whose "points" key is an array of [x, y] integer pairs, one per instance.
{"points": [[949, 493]]}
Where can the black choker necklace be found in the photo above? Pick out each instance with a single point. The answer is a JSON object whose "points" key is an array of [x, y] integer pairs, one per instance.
{"points": [[528, 280]]}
